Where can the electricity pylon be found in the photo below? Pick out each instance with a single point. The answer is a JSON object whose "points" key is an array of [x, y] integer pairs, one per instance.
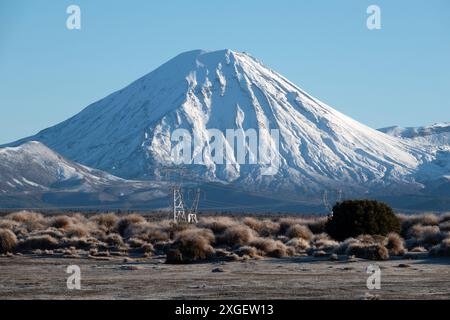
{"points": [[192, 214], [179, 214], [178, 204], [327, 203]]}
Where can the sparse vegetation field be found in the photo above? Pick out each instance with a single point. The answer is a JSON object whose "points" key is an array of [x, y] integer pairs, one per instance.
{"points": [[215, 237], [250, 246]]}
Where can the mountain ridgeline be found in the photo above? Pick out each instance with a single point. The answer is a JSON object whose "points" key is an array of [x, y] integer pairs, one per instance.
{"points": [[128, 135]]}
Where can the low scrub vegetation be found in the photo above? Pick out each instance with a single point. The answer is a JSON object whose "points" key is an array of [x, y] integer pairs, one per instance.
{"points": [[357, 230]]}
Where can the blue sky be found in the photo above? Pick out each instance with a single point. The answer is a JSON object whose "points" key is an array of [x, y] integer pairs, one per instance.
{"points": [[397, 75]]}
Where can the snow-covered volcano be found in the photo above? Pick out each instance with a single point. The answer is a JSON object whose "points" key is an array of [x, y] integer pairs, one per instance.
{"points": [[128, 133]]}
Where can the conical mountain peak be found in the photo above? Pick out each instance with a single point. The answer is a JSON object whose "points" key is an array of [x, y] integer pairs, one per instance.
{"points": [[128, 132]]}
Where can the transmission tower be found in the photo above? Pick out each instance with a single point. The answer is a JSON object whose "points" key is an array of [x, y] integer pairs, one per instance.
{"points": [[179, 209], [192, 214], [327, 204]]}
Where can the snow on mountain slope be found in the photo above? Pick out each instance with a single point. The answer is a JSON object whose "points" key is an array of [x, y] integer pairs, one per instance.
{"points": [[32, 170], [128, 132], [437, 134]]}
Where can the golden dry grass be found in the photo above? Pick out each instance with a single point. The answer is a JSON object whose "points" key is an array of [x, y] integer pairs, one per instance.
{"points": [[214, 237]]}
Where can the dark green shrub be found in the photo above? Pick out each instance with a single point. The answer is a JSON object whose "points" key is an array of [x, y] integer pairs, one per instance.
{"points": [[352, 218]]}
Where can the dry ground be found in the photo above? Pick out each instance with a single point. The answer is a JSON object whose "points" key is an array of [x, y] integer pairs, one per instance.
{"points": [[37, 277]]}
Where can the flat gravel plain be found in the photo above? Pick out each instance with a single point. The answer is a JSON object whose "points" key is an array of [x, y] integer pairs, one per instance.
{"points": [[40, 277]]}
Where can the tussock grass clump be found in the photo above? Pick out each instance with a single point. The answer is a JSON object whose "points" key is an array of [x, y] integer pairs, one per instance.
{"points": [[77, 230], [146, 249], [8, 241], [52, 232], [325, 244], [445, 226], [43, 242], [106, 221], [427, 219], [299, 245], [156, 235], [344, 245], [217, 224], [366, 239], [444, 217], [409, 221], [317, 225], [299, 231], [236, 235], [9, 224], [395, 244], [140, 246], [247, 251], [420, 231], [418, 250], [135, 242], [270, 247], [321, 237], [161, 247], [172, 228], [79, 243], [365, 246], [25, 216], [191, 245], [264, 228], [28, 220], [319, 253], [442, 249], [286, 223], [128, 221], [370, 252], [225, 255], [149, 232], [60, 222], [114, 239], [425, 236]]}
